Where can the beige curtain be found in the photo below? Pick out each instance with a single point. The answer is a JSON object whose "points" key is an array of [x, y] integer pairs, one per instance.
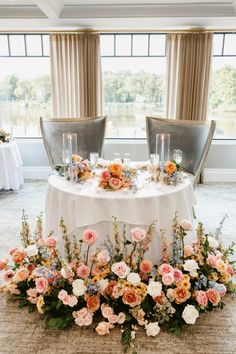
{"points": [[76, 75], [188, 72]]}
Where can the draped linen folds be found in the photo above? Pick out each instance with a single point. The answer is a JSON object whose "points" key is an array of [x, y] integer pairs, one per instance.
{"points": [[76, 75], [188, 73]]}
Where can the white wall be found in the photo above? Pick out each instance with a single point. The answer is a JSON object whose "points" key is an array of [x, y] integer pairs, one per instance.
{"points": [[220, 164]]}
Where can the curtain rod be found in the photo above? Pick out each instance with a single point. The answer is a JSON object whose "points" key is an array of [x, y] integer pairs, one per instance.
{"points": [[129, 30]]}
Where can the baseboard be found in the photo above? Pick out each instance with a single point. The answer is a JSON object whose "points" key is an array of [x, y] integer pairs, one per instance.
{"points": [[36, 172], [219, 175]]}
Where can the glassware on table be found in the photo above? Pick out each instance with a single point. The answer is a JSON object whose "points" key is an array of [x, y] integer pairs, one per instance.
{"points": [[177, 156], [93, 158], [163, 148], [154, 159], [117, 157], [69, 149], [126, 159]]}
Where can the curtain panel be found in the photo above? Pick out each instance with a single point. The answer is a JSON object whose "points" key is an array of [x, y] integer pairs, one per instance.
{"points": [[76, 75], [188, 73]]}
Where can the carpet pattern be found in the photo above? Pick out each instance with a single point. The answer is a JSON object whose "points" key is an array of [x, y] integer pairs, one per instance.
{"points": [[21, 332]]}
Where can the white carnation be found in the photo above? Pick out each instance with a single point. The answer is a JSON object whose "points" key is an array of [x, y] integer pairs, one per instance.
{"points": [[31, 250], [78, 287], [190, 314], [133, 278], [213, 243], [154, 288], [191, 266], [152, 329]]}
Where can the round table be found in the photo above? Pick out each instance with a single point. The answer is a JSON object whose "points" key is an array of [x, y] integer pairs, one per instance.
{"points": [[87, 206], [11, 175]]}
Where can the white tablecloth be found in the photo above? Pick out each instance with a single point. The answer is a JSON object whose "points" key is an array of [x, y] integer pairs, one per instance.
{"points": [[83, 206], [11, 175]]}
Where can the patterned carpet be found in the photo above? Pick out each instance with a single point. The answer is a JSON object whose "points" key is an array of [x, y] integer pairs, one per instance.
{"points": [[24, 333]]}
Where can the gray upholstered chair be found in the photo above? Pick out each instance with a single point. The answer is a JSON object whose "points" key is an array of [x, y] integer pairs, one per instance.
{"points": [[90, 136], [192, 137]]}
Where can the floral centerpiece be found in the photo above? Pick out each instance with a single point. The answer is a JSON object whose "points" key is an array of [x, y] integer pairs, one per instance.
{"points": [[172, 173], [5, 137], [114, 284], [81, 169], [117, 177]]}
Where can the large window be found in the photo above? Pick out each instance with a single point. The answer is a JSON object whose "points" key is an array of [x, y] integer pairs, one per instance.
{"points": [[25, 89], [134, 69]]}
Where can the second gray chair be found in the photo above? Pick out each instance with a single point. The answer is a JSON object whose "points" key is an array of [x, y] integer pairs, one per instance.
{"points": [[192, 137], [90, 136]]}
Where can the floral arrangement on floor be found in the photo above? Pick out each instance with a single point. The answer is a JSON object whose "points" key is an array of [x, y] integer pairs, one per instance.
{"points": [[81, 169], [172, 173], [114, 284], [5, 137], [118, 177]]}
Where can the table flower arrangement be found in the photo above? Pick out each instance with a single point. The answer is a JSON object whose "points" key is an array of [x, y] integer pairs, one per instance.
{"points": [[5, 137], [172, 173], [114, 284], [117, 177], [81, 169]]}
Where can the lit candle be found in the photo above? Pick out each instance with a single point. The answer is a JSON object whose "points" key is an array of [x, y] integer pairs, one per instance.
{"points": [[70, 153], [162, 152]]}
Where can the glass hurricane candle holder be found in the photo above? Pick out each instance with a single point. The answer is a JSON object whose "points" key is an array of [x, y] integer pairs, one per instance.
{"points": [[69, 149], [163, 148]]}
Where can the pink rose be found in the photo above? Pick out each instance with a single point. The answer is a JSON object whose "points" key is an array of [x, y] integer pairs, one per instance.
{"points": [[3, 264], [51, 241], [88, 319], [103, 328], [146, 266], [115, 183], [120, 269], [121, 318], [72, 300], [168, 278], [83, 317], [138, 234], [178, 275], [222, 290], [185, 224], [230, 270], [83, 271], [103, 257], [202, 298], [213, 296], [89, 236], [8, 274], [188, 251], [106, 311], [113, 318], [165, 268], [12, 288], [212, 261], [105, 175], [41, 285], [32, 295]]}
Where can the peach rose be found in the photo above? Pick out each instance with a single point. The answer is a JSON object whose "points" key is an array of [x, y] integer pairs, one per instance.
{"points": [[106, 311], [21, 275], [131, 298], [83, 271], [51, 241], [76, 158], [168, 279], [105, 176], [213, 296], [146, 266], [115, 183], [89, 236], [181, 295], [121, 318], [188, 251], [221, 266], [18, 256], [212, 261], [109, 288], [161, 299], [202, 298], [138, 234], [103, 328], [115, 170], [120, 269], [41, 285], [113, 318], [170, 167], [93, 303], [165, 268], [3, 264]]}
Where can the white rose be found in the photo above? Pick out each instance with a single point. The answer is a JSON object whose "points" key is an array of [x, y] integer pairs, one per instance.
{"points": [[103, 284], [185, 224], [78, 287], [190, 314], [31, 250], [213, 243], [133, 278], [66, 272], [154, 288], [191, 266], [152, 329]]}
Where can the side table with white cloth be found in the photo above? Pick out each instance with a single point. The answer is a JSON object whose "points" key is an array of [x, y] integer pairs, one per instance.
{"points": [[86, 206], [11, 174]]}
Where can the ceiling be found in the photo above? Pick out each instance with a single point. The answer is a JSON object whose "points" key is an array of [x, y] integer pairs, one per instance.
{"points": [[114, 14]]}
